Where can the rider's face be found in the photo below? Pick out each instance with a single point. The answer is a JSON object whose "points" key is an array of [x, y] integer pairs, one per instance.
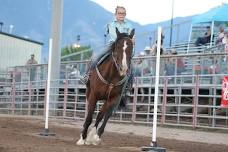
{"points": [[120, 14]]}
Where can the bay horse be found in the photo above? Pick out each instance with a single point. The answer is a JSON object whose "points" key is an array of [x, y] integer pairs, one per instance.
{"points": [[107, 82]]}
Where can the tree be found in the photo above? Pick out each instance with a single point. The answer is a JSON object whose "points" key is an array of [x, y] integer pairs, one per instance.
{"points": [[71, 53]]}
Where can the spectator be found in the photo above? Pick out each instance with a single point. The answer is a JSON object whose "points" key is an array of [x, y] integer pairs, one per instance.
{"points": [[220, 35], [31, 60], [205, 39], [180, 63], [151, 62], [139, 71], [225, 39], [147, 50], [153, 50], [225, 42], [169, 65], [32, 69], [216, 68], [162, 38], [74, 73], [141, 66], [223, 65]]}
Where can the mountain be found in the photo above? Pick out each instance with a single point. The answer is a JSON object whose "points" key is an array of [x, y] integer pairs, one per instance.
{"points": [[32, 19]]}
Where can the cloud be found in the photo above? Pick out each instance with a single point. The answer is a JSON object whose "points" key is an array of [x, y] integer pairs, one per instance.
{"points": [[153, 11]]}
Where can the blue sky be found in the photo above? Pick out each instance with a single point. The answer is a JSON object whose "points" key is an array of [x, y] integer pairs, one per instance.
{"points": [[153, 11]]}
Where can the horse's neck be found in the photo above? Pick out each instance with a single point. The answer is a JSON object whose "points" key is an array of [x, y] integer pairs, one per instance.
{"points": [[108, 71]]}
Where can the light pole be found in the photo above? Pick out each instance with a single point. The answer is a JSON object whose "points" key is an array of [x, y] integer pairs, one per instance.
{"points": [[171, 25], [11, 29], [1, 24], [78, 40], [150, 41], [54, 60]]}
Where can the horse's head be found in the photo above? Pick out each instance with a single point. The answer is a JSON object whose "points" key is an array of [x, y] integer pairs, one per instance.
{"points": [[122, 51]]}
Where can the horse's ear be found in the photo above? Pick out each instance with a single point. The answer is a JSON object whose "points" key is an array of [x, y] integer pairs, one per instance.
{"points": [[117, 32], [132, 33]]}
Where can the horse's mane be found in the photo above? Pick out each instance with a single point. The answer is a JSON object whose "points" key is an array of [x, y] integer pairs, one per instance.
{"points": [[120, 36]]}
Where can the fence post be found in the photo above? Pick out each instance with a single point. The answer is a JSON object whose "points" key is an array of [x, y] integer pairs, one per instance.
{"points": [[75, 101], [134, 100], [13, 93], [30, 98], [164, 101], [45, 98], [65, 97], [195, 101]]}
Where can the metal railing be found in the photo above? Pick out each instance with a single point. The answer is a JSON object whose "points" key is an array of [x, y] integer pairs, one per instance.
{"points": [[189, 98]]}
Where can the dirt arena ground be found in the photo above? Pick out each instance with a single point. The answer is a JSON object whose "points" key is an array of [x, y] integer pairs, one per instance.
{"points": [[20, 134]]}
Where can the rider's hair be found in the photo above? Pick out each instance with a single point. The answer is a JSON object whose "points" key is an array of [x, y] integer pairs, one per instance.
{"points": [[118, 7]]}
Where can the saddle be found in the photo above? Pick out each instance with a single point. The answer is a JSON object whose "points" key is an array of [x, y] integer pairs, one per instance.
{"points": [[102, 58]]}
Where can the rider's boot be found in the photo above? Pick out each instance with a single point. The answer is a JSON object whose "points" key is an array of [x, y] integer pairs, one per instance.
{"points": [[85, 78]]}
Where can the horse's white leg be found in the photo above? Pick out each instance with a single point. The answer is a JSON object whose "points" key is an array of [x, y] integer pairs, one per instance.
{"points": [[96, 140], [88, 121], [81, 141], [92, 137]]}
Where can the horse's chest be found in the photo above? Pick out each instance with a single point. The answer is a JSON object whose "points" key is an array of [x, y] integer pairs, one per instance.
{"points": [[108, 91]]}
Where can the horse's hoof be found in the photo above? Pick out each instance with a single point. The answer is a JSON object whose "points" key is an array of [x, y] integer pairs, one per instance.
{"points": [[96, 140], [88, 142], [90, 137], [81, 141]]}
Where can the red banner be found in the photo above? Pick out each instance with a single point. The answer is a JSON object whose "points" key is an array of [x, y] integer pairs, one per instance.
{"points": [[224, 101]]}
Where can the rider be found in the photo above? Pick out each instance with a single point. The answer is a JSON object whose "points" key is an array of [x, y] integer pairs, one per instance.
{"points": [[123, 27]]}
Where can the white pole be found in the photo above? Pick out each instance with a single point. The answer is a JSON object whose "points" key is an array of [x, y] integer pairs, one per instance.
{"points": [[189, 39], [48, 84], [156, 88], [212, 32]]}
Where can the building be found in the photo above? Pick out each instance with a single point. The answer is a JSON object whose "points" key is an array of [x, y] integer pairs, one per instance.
{"points": [[15, 50]]}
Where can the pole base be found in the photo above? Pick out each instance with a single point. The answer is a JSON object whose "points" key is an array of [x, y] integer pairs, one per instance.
{"points": [[153, 149], [46, 132]]}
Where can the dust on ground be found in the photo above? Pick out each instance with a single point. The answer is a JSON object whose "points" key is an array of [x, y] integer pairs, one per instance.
{"points": [[21, 134]]}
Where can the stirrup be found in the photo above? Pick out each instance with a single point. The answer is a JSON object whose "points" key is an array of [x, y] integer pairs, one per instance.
{"points": [[128, 90], [85, 79]]}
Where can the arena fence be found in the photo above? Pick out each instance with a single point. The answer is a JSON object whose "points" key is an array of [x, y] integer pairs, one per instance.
{"points": [[187, 98]]}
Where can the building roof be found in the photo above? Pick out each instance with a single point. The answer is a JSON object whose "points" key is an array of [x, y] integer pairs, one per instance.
{"points": [[215, 14], [22, 38]]}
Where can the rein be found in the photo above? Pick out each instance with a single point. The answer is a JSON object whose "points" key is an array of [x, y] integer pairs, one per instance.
{"points": [[116, 64], [109, 83], [112, 85]]}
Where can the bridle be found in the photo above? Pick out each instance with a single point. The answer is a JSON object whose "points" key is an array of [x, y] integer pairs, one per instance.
{"points": [[118, 67]]}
